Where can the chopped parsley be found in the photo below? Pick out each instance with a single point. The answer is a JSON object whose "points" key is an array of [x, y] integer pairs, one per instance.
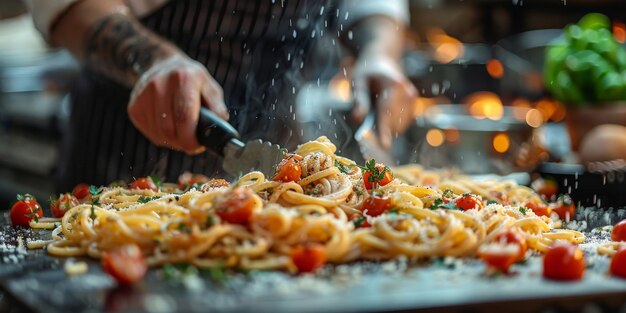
{"points": [[343, 168], [156, 180], [358, 222], [184, 228], [143, 199], [356, 190], [447, 193], [394, 211], [441, 204], [492, 202], [523, 210]]}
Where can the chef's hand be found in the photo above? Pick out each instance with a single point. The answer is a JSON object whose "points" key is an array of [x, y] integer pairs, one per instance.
{"points": [[380, 85], [165, 102]]}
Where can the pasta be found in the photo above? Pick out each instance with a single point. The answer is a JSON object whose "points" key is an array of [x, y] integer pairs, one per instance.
{"points": [[324, 207]]}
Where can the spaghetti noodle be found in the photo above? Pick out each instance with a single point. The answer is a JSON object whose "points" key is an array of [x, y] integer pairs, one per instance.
{"points": [[324, 207]]}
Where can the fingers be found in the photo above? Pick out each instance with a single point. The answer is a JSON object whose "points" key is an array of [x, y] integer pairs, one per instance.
{"points": [[362, 102], [213, 97], [185, 106]]}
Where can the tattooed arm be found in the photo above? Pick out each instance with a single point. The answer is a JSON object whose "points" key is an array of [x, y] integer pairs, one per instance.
{"points": [[167, 86]]}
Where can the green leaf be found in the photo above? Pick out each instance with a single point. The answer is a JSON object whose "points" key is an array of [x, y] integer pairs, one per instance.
{"points": [[523, 210], [343, 168], [143, 199], [93, 212], [94, 191], [492, 202], [358, 222]]}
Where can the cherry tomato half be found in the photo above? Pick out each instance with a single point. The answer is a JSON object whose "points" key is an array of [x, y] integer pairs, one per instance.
{"points": [[309, 258], [546, 188], [25, 209], [540, 208], [618, 263], [188, 179], [469, 201], [65, 202], [514, 237], [81, 191], [380, 176], [376, 205], [289, 169], [565, 208], [126, 264], [235, 206], [619, 231], [500, 261], [145, 183], [564, 261]]}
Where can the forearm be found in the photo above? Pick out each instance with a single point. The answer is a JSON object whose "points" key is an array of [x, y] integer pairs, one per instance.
{"points": [[376, 35], [106, 38]]}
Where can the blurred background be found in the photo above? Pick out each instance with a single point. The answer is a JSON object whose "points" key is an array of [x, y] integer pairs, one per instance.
{"points": [[483, 107]]}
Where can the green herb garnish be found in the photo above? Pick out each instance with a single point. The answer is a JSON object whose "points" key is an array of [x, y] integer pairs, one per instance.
{"points": [[358, 222], [523, 210], [344, 168], [143, 199]]}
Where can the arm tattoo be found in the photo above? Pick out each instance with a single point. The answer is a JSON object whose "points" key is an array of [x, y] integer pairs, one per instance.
{"points": [[122, 49]]}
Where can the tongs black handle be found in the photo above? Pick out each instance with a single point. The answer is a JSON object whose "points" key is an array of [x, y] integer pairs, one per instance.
{"points": [[213, 132]]}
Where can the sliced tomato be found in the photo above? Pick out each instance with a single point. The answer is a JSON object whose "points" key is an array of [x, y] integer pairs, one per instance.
{"points": [[126, 264], [376, 175], [564, 261], [619, 231], [469, 202], [565, 208], [188, 179], [514, 237], [618, 263], [289, 169], [145, 183], [81, 191], [546, 188], [376, 205], [25, 209], [540, 208], [61, 205], [500, 261], [235, 206], [309, 258]]}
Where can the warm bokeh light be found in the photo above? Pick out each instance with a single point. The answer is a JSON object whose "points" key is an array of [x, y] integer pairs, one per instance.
{"points": [[619, 32], [520, 107], [421, 104], [501, 143], [485, 105], [435, 137], [547, 108], [452, 135], [495, 68], [559, 113], [340, 88], [534, 118], [447, 49]]}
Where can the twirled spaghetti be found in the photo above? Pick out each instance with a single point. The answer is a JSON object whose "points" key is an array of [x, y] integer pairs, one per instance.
{"points": [[324, 206]]}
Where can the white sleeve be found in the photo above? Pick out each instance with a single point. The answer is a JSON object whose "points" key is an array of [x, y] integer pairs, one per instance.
{"points": [[352, 11], [45, 12]]}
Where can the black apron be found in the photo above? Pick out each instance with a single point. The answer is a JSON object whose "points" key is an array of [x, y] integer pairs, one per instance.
{"points": [[254, 49]]}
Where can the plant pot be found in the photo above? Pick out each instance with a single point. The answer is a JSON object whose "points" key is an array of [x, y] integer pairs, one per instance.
{"points": [[579, 121]]}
